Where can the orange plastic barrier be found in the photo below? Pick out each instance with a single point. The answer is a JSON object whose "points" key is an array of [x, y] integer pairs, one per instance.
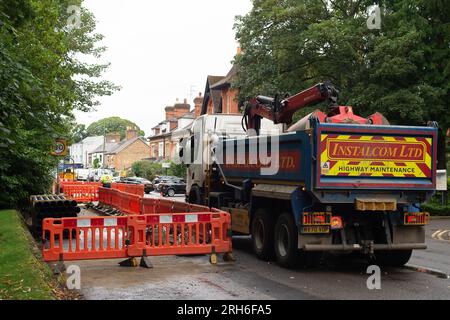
{"points": [[130, 203], [136, 236], [137, 189], [65, 183], [171, 234], [133, 204], [84, 238], [82, 193]]}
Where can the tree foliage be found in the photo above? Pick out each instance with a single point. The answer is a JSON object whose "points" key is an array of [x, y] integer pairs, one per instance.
{"points": [[401, 70], [112, 125], [149, 170], [42, 81]]}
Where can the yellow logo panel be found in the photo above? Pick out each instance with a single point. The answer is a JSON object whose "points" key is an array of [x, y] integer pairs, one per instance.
{"points": [[375, 156]]}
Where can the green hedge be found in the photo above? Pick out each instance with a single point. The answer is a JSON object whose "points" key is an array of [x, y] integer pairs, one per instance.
{"points": [[435, 207]]}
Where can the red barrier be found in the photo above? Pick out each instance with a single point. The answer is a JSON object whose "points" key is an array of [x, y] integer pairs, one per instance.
{"points": [[63, 184], [136, 236], [82, 193], [137, 189], [84, 238], [149, 206], [198, 233], [133, 204], [130, 203]]}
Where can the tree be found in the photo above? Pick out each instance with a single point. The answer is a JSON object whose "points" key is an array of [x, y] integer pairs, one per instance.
{"points": [[177, 170], [97, 164], [147, 169], [42, 82], [78, 133], [402, 70], [112, 125]]}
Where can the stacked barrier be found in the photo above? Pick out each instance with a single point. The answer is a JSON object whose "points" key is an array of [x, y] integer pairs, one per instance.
{"points": [[137, 236], [83, 193], [151, 227], [137, 189], [86, 192], [65, 182]]}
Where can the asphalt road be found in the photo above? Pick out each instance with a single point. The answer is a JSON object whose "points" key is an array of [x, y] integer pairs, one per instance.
{"points": [[178, 197], [176, 277]]}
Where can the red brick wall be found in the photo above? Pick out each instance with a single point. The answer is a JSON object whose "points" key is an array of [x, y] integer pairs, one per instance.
{"points": [[229, 101], [135, 152]]}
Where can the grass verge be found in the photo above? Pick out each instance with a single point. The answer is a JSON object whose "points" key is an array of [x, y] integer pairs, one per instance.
{"points": [[23, 276]]}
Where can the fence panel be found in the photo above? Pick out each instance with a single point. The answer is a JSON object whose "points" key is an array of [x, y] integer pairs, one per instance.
{"points": [[84, 238], [82, 193], [136, 235]]}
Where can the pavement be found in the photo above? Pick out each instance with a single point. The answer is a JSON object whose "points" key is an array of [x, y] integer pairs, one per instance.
{"points": [[341, 277], [437, 256]]}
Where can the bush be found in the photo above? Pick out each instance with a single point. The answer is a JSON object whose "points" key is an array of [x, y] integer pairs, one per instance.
{"points": [[149, 170], [436, 209], [435, 206]]}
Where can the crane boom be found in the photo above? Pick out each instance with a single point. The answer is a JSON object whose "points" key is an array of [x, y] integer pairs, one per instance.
{"points": [[283, 111]]}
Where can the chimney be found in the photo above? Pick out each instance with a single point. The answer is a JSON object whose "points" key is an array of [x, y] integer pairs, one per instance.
{"points": [[131, 133], [180, 109], [170, 112], [198, 105], [113, 137]]}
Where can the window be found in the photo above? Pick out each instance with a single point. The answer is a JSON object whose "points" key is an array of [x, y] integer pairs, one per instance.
{"points": [[161, 149], [167, 154]]}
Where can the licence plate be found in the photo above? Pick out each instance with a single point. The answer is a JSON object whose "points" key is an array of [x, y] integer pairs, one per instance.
{"points": [[315, 229]]}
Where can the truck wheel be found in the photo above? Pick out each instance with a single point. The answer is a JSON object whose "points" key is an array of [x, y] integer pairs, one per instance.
{"points": [[396, 258], [262, 234], [195, 196], [286, 237]]}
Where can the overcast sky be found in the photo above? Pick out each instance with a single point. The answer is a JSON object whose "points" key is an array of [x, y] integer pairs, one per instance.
{"points": [[161, 50]]}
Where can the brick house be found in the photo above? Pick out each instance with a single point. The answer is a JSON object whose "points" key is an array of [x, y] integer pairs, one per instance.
{"points": [[219, 95], [120, 155], [161, 145]]}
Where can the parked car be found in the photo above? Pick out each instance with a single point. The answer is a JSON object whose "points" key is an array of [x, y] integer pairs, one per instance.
{"points": [[117, 178], [148, 186], [171, 187], [160, 179], [82, 174]]}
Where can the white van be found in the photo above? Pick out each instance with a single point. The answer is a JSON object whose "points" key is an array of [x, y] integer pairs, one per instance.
{"points": [[82, 174]]}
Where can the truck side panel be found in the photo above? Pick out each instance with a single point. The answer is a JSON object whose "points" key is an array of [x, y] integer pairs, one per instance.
{"points": [[293, 165]]}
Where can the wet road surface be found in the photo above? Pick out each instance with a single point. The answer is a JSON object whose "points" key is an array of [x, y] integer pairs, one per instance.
{"points": [[180, 277]]}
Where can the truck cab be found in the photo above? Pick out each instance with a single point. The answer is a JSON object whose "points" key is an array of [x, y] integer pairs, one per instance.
{"points": [[198, 145]]}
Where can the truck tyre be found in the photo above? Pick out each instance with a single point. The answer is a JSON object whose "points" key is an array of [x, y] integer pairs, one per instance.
{"points": [[396, 258], [262, 234], [286, 238], [195, 196]]}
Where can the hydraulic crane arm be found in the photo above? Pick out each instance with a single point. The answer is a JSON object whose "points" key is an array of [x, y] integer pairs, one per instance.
{"points": [[282, 111]]}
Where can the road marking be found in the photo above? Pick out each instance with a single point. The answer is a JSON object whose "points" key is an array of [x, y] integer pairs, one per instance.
{"points": [[434, 234], [439, 235]]}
